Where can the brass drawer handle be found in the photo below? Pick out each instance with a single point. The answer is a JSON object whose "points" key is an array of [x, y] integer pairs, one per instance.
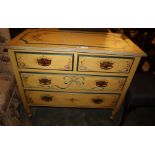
{"points": [[44, 62], [101, 83], [106, 65], [97, 100], [44, 81], [47, 98]]}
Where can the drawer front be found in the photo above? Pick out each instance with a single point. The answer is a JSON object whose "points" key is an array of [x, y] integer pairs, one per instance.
{"points": [[44, 61], [72, 82], [104, 64], [59, 99]]}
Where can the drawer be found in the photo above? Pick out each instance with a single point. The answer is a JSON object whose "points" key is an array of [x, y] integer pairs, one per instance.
{"points": [[44, 61], [72, 82], [104, 64], [60, 99]]}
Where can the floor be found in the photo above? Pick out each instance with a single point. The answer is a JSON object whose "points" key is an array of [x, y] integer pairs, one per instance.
{"points": [[142, 116], [85, 117], [46, 116]]}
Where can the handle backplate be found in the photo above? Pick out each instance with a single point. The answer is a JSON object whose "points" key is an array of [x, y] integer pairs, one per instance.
{"points": [[97, 100], [101, 83], [44, 81], [106, 65], [44, 61], [47, 98]]}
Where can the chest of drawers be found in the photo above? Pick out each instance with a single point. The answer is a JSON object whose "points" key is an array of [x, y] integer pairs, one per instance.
{"points": [[73, 69]]}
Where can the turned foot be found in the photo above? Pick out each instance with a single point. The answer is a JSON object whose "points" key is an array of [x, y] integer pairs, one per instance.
{"points": [[112, 117], [28, 111], [29, 114]]}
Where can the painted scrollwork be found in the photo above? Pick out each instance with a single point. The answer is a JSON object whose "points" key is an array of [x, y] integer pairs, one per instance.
{"points": [[21, 64], [69, 65], [29, 99], [78, 80], [37, 37], [127, 67], [25, 79], [121, 84], [82, 66], [69, 80]]}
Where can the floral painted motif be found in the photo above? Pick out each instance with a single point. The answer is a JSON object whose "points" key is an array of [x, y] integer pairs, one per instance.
{"points": [[72, 99], [127, 67], [20, 63], [25, 79], [37, 37], [121, 83], [82, 66], [68, 66]]}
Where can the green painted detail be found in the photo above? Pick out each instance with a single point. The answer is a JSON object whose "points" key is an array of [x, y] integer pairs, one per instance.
{"points": [[76, 74], [41, 53], [72, 92], [69, 80], [105, 56]]}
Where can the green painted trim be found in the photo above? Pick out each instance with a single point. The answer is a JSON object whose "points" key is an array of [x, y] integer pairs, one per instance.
{"points": [[104, 72], [41, 53], [75, 74], [47, 69], [104, 57], [64, 90], [71, 92], [72, 55], [58, 44]]}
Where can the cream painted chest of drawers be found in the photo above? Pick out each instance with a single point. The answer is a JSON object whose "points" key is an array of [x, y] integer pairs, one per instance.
{"points": [[62, 68]]}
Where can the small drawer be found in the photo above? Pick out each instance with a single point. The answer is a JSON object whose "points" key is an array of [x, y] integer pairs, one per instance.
{"points": [[59, 99], [104, 64], [73, 82], [44, 61]]}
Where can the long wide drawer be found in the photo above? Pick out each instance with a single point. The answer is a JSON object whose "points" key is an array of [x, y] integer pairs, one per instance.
{"points": [[104, 64], [60, 99], [44, 61], [72, 82]]}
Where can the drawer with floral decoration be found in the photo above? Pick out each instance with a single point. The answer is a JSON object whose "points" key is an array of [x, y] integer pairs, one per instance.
{"points": [[105, 64], [61, 62], [73, 82], [61, 99]]}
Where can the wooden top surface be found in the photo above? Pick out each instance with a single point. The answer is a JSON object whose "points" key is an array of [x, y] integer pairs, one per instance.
{"points": [[81, 41]]}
